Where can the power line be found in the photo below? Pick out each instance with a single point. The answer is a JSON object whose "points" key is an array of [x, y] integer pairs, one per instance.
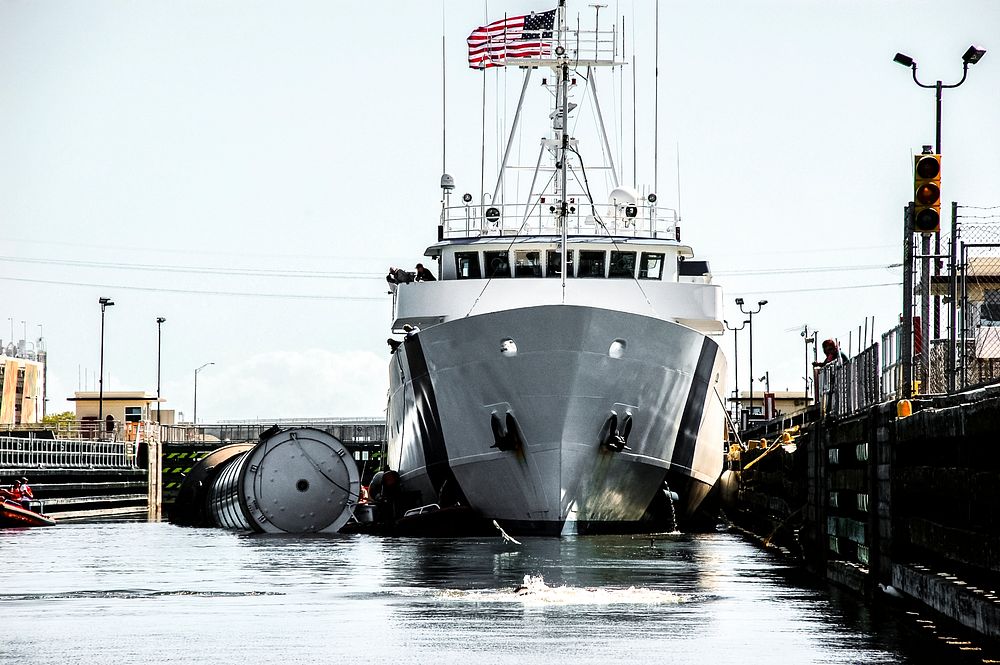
{"points": [[810, 250], [258, 272], [821, 288], [299, 296], [188, 251], [789, 271]]}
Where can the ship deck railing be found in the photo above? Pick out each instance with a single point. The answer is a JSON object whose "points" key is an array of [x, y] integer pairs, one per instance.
{"points": [[640, 220], [601, 47]]}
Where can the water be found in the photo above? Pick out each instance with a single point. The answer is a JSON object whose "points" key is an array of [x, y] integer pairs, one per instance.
{"points": [[136, 592]]}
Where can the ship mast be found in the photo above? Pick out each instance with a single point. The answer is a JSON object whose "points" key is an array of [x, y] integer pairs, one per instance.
{"points": [[564, 141]]}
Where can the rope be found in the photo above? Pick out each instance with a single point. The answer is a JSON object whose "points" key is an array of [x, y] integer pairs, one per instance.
{"points": [[517, 234], [600, 221]]}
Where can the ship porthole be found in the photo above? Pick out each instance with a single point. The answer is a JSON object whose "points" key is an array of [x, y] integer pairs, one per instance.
{"points": [[302, 485], [508, 347], [617, 349]]}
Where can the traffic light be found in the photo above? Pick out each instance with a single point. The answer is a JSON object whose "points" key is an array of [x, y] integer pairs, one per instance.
{"points": [[927, 193]]}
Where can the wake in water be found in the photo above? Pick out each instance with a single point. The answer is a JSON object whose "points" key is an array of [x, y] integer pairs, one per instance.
{"points": [[534, 591]]}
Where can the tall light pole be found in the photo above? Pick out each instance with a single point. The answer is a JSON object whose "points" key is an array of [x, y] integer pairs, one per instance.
{"points": [[736, 360], [760, 305], [971, 56], [196, 390], [159, 335], [104, 302]]}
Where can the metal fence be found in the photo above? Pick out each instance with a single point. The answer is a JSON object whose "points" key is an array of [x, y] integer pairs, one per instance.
{"points": [[976, 287], [954, 323], [892, 363], [39, 453], [848, 387]]}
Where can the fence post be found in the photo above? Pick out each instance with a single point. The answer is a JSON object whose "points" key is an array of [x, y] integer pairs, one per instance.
{"points": [[906, 343], [154, 475], [953, 305]]}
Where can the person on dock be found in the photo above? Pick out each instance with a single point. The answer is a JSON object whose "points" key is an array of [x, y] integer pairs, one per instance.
{"points": [[423, 274], [833, 354]]}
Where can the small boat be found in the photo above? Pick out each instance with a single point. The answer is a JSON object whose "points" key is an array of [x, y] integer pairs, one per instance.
{"points": [[13, 515]]}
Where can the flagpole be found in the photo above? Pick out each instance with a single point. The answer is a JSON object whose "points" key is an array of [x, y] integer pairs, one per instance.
{"points": [[482, 140]]}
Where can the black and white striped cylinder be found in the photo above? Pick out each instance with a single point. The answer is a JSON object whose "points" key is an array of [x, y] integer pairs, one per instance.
{"points": [[299, 480]]}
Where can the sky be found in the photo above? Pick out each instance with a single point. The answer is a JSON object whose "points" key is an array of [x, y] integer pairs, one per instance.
{"points": [[248, 170]]}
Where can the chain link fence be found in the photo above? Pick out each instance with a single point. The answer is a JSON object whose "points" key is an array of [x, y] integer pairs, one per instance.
{"points": [[953, 327], [976, 284]]}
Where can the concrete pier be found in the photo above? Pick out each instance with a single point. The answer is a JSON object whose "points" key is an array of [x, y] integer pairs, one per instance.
{"points": [[876, 502]]}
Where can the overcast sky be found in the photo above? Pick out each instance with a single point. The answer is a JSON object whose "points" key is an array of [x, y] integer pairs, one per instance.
{"points": [[172, 154]]}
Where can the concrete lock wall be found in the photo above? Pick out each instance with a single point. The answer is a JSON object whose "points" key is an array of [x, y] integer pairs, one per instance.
{"points": [[874, 501]]}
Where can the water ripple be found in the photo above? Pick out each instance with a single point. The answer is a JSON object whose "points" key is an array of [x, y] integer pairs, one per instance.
{"points": [[129, 594]]}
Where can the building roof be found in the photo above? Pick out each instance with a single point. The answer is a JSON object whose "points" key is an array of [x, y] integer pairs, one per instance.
{"points": [[114, 396]]}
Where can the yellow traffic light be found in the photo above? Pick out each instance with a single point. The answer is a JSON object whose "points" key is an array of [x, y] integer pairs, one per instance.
{"points": [[927, 193]]}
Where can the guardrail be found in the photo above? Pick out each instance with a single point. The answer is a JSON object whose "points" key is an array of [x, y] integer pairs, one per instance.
{"points": [[639, 220], [847, 387], [36, 453]]}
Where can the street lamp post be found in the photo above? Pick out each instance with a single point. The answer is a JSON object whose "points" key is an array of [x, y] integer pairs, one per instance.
{"points": [[971, 56], [760, 305], [736, 360], [159, 335], [196, 390], [105, 303]]}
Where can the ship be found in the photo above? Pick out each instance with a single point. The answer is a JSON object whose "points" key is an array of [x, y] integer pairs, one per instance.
{"points": [[561, 373]]}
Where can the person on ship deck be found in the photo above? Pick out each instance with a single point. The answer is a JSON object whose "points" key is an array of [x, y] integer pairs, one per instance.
{"points": [[423, 274]]}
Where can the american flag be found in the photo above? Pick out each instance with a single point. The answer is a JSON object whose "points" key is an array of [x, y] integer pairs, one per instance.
{"points": [[514, 37]]}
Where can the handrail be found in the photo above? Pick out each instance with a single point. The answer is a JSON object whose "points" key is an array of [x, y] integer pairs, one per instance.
{"points": [[34, 453], [640, 220]]}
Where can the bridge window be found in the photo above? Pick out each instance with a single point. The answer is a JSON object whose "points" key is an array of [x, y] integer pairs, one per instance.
{"points": [[497, 264], [553, 261], [591, 264], [622, 265], [651, 266], [133, 414], [527, 263], [467, 265]]}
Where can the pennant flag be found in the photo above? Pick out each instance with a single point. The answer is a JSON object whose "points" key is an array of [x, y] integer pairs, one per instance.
{"points": [[526, 36]]}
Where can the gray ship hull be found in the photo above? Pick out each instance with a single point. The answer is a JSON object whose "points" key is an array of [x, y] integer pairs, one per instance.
{"points": [[451, 386]]}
